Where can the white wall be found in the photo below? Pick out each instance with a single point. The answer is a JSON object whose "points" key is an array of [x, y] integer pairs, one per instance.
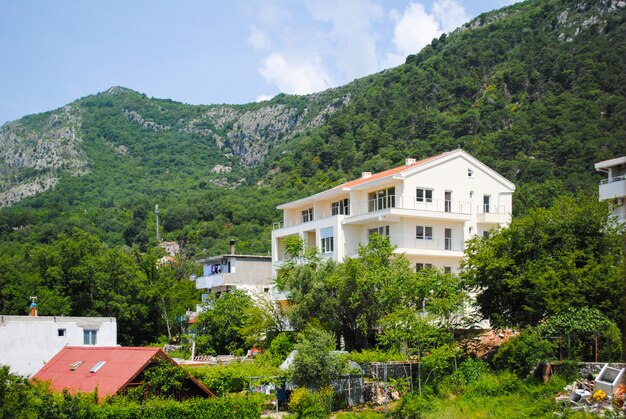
{"points": [[27, 343]]}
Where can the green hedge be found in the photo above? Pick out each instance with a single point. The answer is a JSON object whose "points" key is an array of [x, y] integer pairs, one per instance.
{"points": [[232, 406]]}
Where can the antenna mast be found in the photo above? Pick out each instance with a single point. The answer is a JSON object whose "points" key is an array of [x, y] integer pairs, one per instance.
{"points": [[156, 212]]}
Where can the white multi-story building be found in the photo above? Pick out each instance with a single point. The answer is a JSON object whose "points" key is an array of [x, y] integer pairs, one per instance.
{"points": [[28, 342], [427, 208], [613, 188]]}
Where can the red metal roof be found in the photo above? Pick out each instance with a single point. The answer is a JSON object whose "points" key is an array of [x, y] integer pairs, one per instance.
{"points": [[389, 172], [121, 366]]}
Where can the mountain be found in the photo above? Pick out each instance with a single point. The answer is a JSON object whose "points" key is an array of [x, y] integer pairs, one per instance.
{"points": [[534, 90]]}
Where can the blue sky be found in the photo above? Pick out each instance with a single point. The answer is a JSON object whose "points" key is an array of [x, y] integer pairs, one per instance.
{"points": [[203, 52]]}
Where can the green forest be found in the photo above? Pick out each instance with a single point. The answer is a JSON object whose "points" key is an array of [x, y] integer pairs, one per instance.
{"points": [[535, 90]]}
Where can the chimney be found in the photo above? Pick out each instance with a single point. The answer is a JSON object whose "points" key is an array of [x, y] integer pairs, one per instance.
{"points": [[365, 175], [408, 162], [33, 307], [232, 247]]}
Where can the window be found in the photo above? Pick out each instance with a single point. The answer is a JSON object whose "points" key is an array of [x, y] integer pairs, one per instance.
{"points": [[61, 332], [381, 231], [486, 203], [447, 201], [97, 366], [486, 234], [266, 289], [470, 173], [448, 239], [471, 230], [341, 207], [90, 337], [447, 269], [327, 245], [471, 194], [307, 215], [382, 199], [423, 233], [424, 195], [421, 266]]}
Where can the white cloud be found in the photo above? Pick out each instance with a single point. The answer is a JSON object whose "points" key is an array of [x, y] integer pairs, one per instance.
{"points": [[450, 14], [414, 29], [351, 38], [259, 39], [263, 98], [295, 75]]}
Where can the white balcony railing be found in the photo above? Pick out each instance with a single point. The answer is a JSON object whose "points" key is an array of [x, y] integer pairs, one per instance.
{"points": [[210, 281], [410, 241], [380, 204], [490, 209], [612, 179]]}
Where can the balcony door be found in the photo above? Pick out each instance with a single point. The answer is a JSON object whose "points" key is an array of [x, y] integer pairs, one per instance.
{"points": [[448, 239]]}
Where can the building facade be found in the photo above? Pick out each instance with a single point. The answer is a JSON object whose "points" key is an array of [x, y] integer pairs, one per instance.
{"points": [[28, 342], [427, 208], [613, 188]]}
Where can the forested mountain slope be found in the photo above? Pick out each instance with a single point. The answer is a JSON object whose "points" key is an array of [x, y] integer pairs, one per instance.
{"points": [[535, 90]]}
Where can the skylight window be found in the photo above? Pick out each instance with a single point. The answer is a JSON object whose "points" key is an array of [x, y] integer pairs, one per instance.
{"points": [[75, 365], [97, 366]]}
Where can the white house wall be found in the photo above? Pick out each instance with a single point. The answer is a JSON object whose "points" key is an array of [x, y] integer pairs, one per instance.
{"points": [[27, 343]]}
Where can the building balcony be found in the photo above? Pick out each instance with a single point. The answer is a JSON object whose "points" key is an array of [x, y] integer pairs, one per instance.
{"points": [[365, 211], [612, 188], [411, 245], [214, 280], [491, 214]]}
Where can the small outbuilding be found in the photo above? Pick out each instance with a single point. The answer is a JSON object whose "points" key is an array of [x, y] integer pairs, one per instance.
{"points": [[112, 370]]}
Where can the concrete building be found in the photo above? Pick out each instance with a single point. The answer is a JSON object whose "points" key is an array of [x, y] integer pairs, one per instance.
{"points": [[250, 273], [427, 208], [613, 188], [28, 342]]}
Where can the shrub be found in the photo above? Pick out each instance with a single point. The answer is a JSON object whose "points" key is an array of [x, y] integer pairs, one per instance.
{"points": [[232, 378], [471, 370], [375, 355], [522, 353], [413, 405], [493, 385], [311, 404]]}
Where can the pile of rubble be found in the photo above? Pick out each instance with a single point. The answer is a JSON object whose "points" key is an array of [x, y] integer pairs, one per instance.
{"points": [[607, 393]]}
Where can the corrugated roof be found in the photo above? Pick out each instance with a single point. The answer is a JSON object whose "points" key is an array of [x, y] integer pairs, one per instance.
{"points": [[389, 172], [121, 366]]}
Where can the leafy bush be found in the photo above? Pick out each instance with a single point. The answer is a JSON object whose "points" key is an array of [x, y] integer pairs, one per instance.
{"points": [[471, 370], [375, 355], [522, 353], [231, 406], [232, 378], [414, 405], [311, 404], [315, 365], [492, 385]]}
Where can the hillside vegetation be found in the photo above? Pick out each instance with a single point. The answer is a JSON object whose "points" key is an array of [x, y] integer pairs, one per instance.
{"points": [[534, 90]]}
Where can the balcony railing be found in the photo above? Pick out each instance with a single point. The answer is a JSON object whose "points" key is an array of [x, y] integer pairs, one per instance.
{"points": [[380, 204], [410, 241], [411, 203], [612, 179], [490, 209]]}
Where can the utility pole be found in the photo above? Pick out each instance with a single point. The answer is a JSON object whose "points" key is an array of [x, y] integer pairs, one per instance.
{"points": [[156, 212]]}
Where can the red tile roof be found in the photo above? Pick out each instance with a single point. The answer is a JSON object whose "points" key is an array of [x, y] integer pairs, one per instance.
{"points": [[122, 365], [389, 172]]}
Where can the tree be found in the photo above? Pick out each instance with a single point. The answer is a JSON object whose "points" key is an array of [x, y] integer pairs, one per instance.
{"points": [[367, 288], [567, 255], [218, 327], [315, 365]]}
